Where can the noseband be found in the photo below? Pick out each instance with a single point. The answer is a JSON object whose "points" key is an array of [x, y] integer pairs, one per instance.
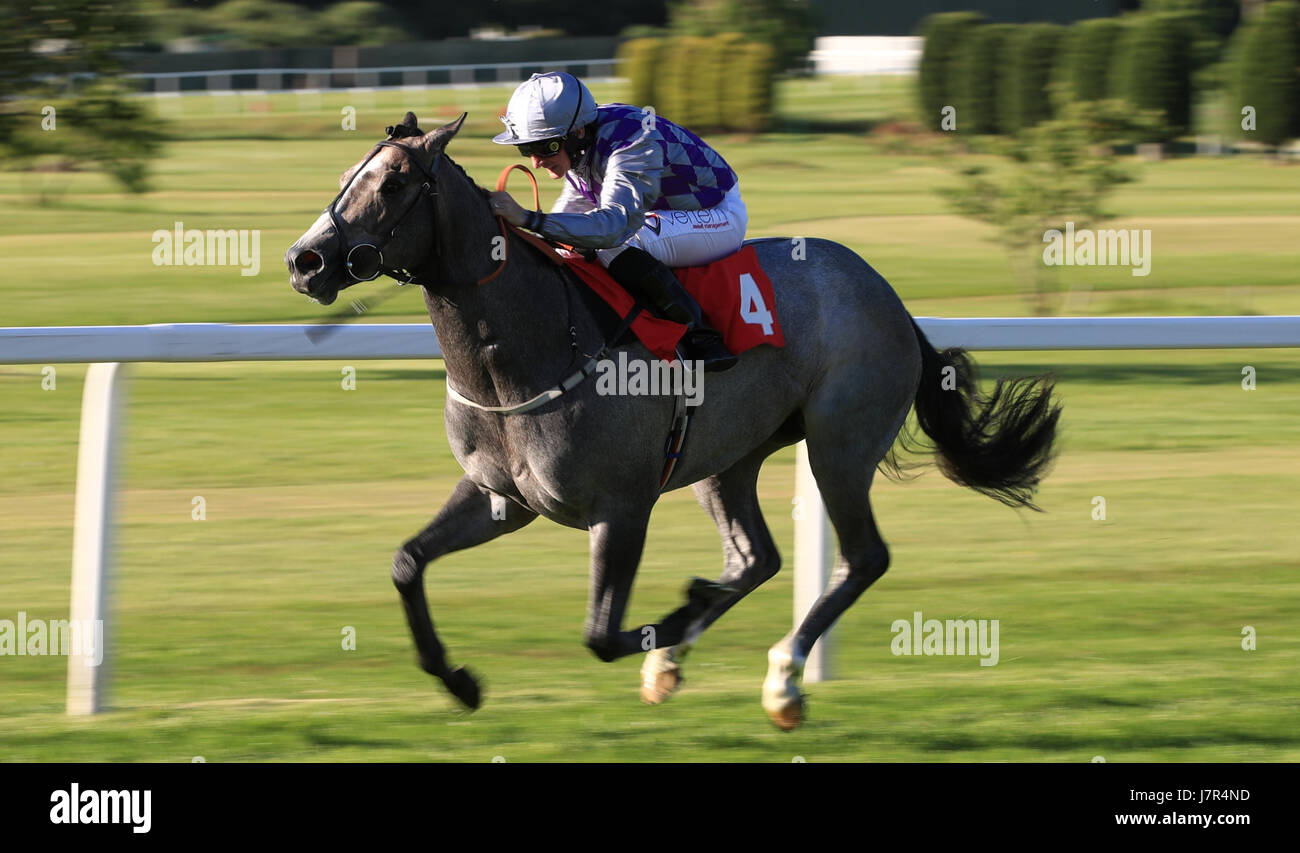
{"points": [[365, 261]]}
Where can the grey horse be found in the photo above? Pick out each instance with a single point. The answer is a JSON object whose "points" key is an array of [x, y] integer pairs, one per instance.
{"points": [[853, 365]]}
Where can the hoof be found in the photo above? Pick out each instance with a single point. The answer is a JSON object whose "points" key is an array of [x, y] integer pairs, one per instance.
{"points": [[464, 687], [790, 717], [782, 699], [659, 688], [661, 675]]}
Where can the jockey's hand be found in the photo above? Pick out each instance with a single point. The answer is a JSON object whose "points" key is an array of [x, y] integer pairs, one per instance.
{"points": [[507, 208]]}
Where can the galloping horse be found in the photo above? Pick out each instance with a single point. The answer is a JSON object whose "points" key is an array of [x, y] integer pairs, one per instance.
{"points": [[853, 365]]}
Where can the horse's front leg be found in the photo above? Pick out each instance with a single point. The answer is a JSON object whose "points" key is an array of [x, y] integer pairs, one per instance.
{"points": [[470, 517], [616, 547]]}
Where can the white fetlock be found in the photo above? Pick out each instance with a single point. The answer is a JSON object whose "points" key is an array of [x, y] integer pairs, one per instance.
{"points": [[661, 673], [781, 697]]}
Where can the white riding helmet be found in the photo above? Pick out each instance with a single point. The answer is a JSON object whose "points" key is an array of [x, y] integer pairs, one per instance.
{"points": [[546, 106]]}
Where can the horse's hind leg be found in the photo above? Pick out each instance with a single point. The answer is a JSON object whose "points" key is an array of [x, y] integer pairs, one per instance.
{"points": [[863, 558], [468, 519], [843, 452], [750, 557]]}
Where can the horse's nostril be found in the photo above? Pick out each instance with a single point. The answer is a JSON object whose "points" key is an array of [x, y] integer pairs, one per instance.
{"points": [[308, 262]]}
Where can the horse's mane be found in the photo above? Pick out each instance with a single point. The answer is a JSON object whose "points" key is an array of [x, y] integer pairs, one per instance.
{"points": [[483, 193]]}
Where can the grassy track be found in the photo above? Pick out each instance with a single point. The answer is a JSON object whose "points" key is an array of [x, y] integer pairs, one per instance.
{"points": [[1119, 638]]}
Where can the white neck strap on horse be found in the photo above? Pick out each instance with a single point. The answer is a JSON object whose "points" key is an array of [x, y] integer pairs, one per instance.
{"points": [[541, 399]]}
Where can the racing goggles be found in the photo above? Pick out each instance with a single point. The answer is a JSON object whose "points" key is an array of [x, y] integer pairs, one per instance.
{"points": [[542, 147]]}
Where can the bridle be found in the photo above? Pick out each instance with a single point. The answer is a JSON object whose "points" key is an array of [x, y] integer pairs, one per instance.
{"points": [[365, 261]]}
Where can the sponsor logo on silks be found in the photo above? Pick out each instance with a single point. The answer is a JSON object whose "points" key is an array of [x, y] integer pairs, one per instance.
{"points": [[650, 378], [91, 806], [951, 637], [652, 222]]}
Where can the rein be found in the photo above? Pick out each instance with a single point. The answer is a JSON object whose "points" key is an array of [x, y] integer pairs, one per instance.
{"points": [[574, 379]]}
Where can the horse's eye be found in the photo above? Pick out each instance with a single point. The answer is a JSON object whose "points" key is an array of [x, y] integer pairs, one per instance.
{"points": [[390, 186]]}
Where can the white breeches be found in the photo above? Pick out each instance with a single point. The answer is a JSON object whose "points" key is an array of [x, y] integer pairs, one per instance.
{"points": [[687, 238]]}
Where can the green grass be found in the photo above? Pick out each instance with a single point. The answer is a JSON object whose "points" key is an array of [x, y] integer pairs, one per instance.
{"points": [[1119, 637]]}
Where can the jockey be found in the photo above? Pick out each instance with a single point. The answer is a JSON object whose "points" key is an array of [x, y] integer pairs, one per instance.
{"points": [[643, 192]]}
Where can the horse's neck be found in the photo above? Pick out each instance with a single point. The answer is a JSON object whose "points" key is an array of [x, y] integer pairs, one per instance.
{"points": [[508, 339]]}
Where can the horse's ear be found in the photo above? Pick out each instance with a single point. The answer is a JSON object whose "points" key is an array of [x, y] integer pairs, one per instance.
{"points": [[440, 137]]}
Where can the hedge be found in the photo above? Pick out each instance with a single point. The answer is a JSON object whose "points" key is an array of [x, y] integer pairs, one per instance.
{"points": [[705, 84], [1268, 73], [945, 33], [1030, 55], [1155, 70], [749, 107], [1091, 49], [638, 60], [982, 77]]}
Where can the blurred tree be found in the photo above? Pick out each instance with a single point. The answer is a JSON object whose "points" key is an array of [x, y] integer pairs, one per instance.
{"points": [[1220, 17], [63, 89], [417, 20], [1059, 170], [165, 23], [362, 22], [266, 23], [575, 17], [787, 25]]}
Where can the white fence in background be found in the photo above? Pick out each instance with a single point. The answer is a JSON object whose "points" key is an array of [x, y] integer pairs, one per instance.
{"points": [[105, 347], [342, 78], [830, 55]]}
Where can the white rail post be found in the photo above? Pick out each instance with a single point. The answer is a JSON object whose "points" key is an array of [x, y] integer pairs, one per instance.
{"points": [[813, 552], [101, 426]]}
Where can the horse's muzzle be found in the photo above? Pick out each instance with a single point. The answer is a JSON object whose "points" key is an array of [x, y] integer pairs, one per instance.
{"points": [[308, 274]]}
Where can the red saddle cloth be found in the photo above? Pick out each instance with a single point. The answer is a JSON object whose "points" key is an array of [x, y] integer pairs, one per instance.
{"points": [[734, 293]]}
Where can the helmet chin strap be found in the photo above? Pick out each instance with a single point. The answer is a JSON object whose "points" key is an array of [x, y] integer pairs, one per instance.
{"points": [[577, 148]]}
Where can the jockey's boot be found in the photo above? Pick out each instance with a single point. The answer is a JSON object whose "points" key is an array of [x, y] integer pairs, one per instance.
{"points": [[646, 277]]}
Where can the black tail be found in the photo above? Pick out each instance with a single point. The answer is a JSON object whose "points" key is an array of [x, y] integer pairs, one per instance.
{"points": [[1000, 445]]}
